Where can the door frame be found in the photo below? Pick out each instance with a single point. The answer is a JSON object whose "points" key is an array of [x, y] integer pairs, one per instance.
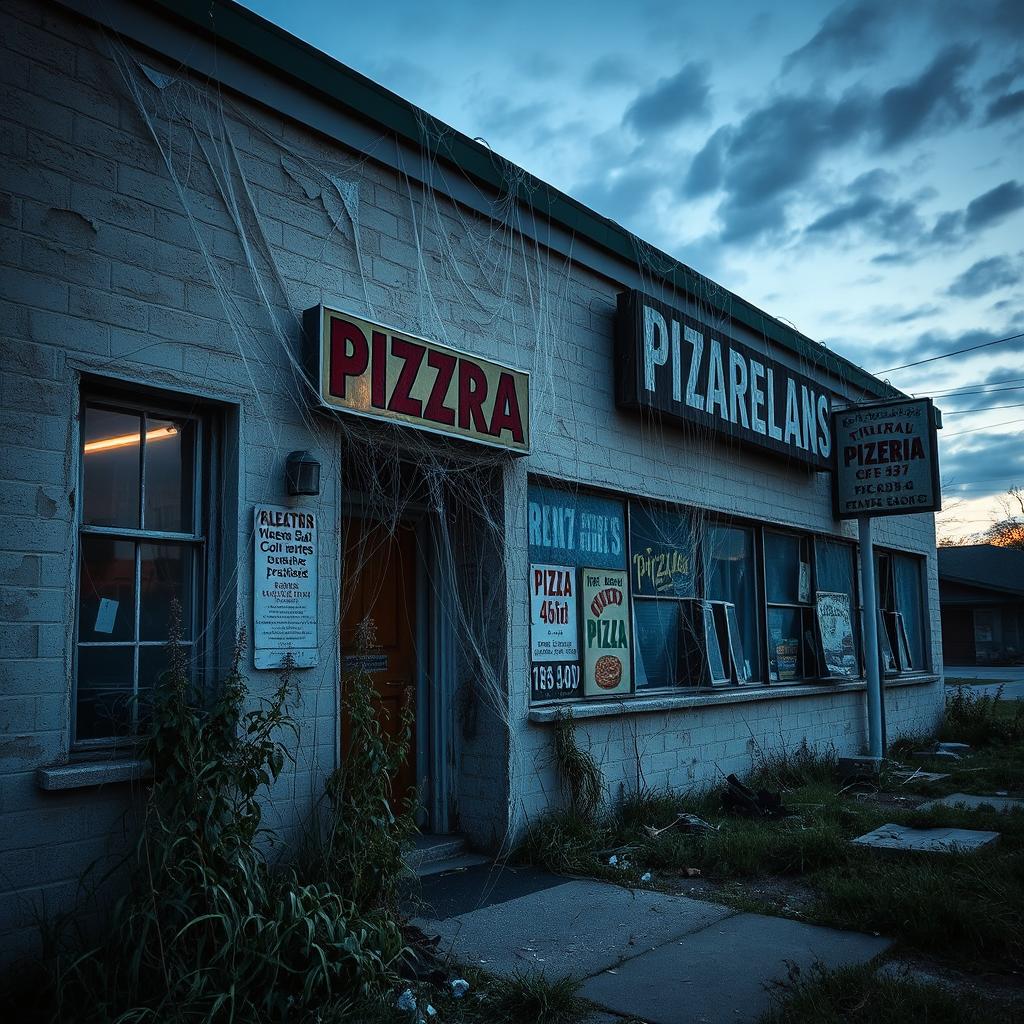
{"points": [[435, 664]]}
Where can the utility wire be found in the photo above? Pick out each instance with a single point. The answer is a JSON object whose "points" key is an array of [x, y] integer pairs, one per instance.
{"points": [[983, 408], [969, 393], [981, 385], [946, 355], [988, 426]]}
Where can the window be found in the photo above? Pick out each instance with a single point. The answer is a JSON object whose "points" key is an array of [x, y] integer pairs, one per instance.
{"points": [[661, 548], [730, 575], [834, 567], [901, 603], [141, 546], [792, 651]]}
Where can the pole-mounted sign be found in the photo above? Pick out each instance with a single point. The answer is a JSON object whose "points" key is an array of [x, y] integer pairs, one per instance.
{"points": [[886, 459], [886, 463]]}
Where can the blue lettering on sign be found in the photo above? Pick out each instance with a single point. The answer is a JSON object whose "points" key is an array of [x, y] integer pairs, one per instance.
{"points": [[569, 528]]}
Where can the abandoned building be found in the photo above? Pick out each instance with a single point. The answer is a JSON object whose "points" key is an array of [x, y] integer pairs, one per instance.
{"points": [[284, 348]]}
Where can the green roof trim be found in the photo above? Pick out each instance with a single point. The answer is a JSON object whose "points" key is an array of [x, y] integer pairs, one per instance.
{"points": [[236, 26]]}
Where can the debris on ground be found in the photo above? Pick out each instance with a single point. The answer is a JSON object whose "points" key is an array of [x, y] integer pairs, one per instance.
{"points": [[645, 877], [459, 987], [740, 799], [905, 775], [406, 1002], [926, 840], [945, 751]]}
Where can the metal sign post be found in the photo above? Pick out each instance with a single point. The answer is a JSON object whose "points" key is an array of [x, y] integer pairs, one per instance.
{"points": [[876, 741], [885, 463]]}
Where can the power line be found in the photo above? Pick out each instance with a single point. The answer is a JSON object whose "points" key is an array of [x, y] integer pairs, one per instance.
{"points": [[988, 426], [970, 393], [946, 355], [982, 385], [983, 408]]}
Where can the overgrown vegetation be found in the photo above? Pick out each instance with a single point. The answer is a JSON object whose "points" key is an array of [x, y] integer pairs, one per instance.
{"points": [[982, 719], [208, 929], [858, 995], [959, 908], [577, 768]]}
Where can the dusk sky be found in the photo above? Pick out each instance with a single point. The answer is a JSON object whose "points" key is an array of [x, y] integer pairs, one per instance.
{"points": [[855, 169]]}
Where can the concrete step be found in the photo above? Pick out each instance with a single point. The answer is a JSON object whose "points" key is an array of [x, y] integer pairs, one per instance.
{"points": [[460, 863], [431, 849]]}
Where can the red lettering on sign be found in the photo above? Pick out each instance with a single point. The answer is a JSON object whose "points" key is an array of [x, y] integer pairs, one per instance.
{"points": [[345, 364], [436, 409], [506, 414], [401, 398], [472, 394], [379, 370]]}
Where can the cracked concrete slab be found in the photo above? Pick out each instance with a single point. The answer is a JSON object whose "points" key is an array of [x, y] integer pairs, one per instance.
{"points": [[926, 840], [972, 801], [578, 928], [723, 972]]}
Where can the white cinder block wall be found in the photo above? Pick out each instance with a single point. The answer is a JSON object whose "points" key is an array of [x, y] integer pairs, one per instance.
{"points": [[106, 272]]}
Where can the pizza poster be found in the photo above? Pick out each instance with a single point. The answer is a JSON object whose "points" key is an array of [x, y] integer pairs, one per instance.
{"points": [[604, 615], [553, 616]]}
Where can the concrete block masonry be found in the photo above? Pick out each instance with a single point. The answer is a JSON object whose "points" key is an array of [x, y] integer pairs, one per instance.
{"points": [[926, 840]]}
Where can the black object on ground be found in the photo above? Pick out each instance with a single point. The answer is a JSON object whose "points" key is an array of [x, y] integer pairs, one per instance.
{"points": [[740, 799]]}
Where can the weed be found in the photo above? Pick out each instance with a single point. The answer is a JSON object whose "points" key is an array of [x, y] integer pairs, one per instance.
{"points": [[530, 996], [981, 719], [858, 995], [577, 767]]}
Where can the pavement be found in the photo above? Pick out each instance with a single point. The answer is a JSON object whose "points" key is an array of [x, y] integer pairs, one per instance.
{"points": [[665, 959], [987, 678]]}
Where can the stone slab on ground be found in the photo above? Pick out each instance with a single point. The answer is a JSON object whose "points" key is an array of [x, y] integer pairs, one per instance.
{"points": [[720, 973], [972, 801], [920, 776], [926, 840], [578, 928]]}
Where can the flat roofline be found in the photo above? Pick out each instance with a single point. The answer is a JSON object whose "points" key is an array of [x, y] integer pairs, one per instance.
{"points": [[283, 54]]}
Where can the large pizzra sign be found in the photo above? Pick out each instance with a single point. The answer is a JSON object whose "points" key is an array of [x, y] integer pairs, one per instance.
{"points": [[690, 372], [887, 459], [375, 371]]}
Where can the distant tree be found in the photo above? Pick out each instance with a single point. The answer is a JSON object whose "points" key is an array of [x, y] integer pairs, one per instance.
{"points": [[1008, 530]]}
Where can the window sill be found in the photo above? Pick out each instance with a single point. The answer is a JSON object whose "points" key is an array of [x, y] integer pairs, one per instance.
{"points": [[81, 774], [736, 695]]}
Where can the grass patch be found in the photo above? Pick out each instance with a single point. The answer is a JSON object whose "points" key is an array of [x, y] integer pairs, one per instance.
{"points": [[982, 719], [857, 995], [958, 908]]}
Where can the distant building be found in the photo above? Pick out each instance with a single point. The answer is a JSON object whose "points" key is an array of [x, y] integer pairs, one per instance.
{"points": [[981, 594]]}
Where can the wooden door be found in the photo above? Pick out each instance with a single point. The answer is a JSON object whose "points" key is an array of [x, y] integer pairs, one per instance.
{"points": [[379, 581]]}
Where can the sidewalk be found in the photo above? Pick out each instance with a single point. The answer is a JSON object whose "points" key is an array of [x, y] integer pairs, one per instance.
{"points": [[664, 959], [988, 678]]}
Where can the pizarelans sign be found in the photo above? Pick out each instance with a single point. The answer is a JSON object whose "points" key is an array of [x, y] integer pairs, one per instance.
{"points": [[385, 374], [886, 460]]}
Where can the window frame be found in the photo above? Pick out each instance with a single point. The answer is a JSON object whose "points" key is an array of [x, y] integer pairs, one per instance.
{"points": [[200, 541]]}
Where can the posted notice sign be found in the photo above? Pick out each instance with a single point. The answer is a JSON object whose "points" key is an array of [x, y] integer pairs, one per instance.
{"points": [[604, 600], [284, 586], [554, 632], [886, 460]]}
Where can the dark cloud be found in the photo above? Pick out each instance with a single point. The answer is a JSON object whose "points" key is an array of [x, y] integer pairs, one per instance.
{"points": [[994, 457], [851, 35], [609, 70], [1008, 105], [869, 209], [986, 276], [504, 115], [760, 162], [935, 99], [936, 342], [994, 205], [1002, 81], [623, 196], [705, 173], [673, 100]]}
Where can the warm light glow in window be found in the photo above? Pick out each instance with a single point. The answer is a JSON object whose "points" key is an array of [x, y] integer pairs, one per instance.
{"points": [[104, 444]]}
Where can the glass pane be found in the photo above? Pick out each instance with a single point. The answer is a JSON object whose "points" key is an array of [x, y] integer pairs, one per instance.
{"points": [[835, 571], [782, 567], [165, 573], [661, 545], [730, 574], [170, 446], [106, 597], [104, 692], [110, 456], [908, 601], [784, 644], [656, 628]]}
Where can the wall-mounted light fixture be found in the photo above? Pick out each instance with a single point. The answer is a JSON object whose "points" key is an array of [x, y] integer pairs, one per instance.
{"points": [[302, 474]]}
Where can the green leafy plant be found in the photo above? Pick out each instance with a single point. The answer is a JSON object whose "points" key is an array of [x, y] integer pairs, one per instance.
{"points": [[578, 770], [370, 826], [208, 930], [982, 718]]}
